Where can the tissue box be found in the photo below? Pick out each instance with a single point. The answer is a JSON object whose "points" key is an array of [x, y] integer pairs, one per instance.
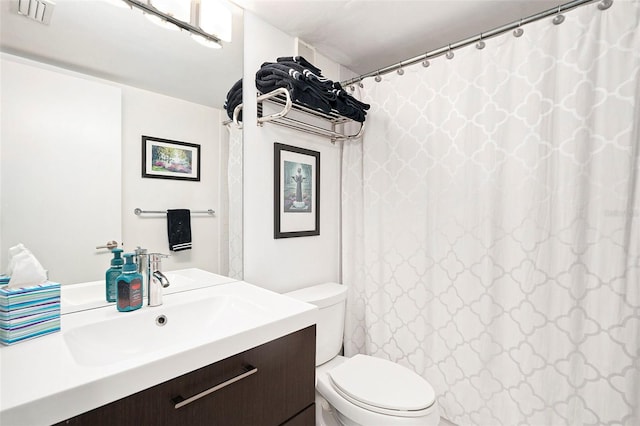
{"points": [[29, 312]]}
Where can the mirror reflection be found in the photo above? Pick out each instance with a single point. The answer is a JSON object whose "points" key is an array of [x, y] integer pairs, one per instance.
{"points": [[79, 93]]}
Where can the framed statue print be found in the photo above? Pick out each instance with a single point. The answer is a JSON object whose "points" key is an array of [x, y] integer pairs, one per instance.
{"points": [[296, 191]]}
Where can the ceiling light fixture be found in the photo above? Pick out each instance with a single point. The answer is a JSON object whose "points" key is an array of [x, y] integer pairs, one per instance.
{"points": [[208, 21], [214, 17]]}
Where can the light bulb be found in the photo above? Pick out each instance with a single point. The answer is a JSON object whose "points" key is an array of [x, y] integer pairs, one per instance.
{"points": [[216, 19], [179, 9]]}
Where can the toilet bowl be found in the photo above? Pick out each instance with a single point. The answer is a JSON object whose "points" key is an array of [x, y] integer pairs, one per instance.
{"points": [[362, 390]]}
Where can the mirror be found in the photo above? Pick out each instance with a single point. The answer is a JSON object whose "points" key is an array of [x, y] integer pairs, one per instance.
{"points": [[78, 94]]}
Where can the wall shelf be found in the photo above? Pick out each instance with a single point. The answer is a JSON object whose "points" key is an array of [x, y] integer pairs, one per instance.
{"points": [[281, 97]]}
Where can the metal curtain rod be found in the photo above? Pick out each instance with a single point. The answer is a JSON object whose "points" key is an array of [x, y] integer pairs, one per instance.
{"points": [[139, 211], [604, 4]]}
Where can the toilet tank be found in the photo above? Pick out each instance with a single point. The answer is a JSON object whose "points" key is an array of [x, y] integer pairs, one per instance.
{"points": [[331, 300]]}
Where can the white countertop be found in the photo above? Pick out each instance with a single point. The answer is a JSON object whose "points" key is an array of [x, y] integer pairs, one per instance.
{"points": [[43, 382]]}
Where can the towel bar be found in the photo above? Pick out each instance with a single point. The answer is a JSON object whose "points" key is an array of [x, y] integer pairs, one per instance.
{"points": [[139, 211]]}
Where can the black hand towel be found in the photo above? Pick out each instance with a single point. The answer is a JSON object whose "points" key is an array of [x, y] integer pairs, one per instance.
{"points": [[179, 229]]}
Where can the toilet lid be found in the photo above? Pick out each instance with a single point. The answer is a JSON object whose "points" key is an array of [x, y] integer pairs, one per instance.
{"points": [[377, 383]]}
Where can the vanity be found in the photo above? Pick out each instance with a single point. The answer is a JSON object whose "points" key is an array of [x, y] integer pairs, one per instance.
{"points": [[229, 354]]}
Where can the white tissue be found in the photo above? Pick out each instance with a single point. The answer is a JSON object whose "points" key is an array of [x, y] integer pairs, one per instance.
{"points": [[24, 268]]}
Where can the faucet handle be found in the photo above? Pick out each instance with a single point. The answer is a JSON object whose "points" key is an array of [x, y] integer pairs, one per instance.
{"points": [[157, 257], [141, 252], [155, 260], [160, 255]]}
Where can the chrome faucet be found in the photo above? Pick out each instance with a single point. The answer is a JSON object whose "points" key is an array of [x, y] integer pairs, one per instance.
{"points": [[156, 280]]}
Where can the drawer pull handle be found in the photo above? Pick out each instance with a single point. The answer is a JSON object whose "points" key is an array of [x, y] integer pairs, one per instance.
{"points": [[181, 402]]}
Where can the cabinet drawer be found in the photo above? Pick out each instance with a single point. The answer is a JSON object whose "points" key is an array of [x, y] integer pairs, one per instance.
{"points": [[228, 392]]}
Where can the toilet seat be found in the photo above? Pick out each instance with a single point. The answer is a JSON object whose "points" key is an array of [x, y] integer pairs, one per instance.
{"points": [[382, 386]]}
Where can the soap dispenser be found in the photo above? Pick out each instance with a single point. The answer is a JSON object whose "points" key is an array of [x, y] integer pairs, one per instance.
{"points": [[112, 274], [129, 286]]}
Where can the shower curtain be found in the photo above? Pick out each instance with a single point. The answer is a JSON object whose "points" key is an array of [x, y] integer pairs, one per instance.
{"points": [[234, 188], [491, 224]]}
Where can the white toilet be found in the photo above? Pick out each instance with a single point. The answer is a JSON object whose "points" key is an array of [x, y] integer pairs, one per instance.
{"points": [[362, 390]]}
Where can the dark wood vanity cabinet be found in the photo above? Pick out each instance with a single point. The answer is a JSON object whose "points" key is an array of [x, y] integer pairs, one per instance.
{"points": [[279, 392]]}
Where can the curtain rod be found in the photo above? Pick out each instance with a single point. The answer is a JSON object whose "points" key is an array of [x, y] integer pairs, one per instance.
{"points": [[603, 5]]}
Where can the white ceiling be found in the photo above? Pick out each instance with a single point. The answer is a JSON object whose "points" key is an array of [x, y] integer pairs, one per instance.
{"points": [[119, 44], [94, 37], [367, 35]]}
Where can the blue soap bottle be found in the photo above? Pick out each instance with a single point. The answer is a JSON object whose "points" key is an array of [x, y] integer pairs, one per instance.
{"points": [[129, 286], [112, 274]]}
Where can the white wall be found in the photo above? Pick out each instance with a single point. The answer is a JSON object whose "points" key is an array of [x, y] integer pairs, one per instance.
{"points": [[82, 113], [290, 263], [151, 114], [60, 168]]}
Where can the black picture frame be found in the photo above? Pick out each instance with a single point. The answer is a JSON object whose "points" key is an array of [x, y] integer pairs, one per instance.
{"points": [[170, 159], [296, 198]]}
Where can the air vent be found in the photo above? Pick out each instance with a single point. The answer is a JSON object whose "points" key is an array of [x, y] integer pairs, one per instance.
{"points": [[38, 10]]}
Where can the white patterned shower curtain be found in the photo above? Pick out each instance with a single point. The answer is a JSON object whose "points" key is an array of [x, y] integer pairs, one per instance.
{"points": [[491, 224], [234, 187]]}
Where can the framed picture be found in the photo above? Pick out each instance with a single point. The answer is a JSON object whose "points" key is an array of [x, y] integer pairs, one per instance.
{"points": [[167, 159], [296, 191]]}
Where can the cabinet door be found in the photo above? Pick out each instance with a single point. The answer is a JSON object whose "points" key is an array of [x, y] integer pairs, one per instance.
{"points": [[305, 418], [282, 386]]}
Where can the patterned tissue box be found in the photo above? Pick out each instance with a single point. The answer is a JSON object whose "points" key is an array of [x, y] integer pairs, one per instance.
{"points": [[29, 312]]}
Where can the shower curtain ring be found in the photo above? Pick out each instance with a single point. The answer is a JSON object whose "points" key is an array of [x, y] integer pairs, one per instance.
{"points": [[360, 84], [450, 53], [559, 18], [605, 4], [400, 71], [425, 62], [518, 31], [480, 44], [378, 79]]}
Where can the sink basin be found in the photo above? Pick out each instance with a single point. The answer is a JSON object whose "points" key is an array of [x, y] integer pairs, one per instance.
{"points": [[78, 297], [90, 293], [153, 329], [102, 355]]}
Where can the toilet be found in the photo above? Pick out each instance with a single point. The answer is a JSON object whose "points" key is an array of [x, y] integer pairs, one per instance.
{"points": [[362, 390]]}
